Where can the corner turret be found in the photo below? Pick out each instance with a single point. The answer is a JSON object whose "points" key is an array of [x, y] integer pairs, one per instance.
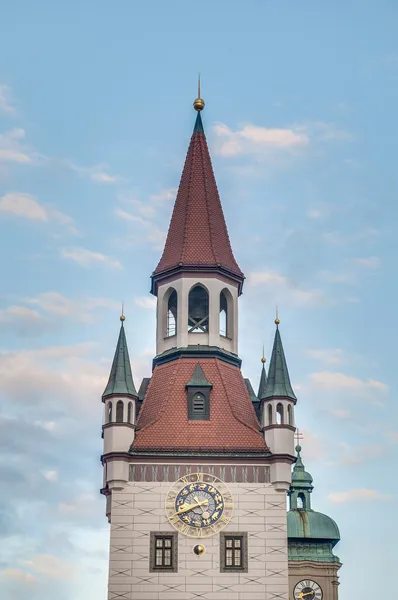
{"points": [[120, 399], [277, 407]]}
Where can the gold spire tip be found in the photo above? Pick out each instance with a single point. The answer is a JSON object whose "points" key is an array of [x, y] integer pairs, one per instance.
{"points": [[263, 359], [199, 103], [122, 317], [277, 321]]}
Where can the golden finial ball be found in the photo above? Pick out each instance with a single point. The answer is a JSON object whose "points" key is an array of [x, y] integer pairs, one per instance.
{"points": [[199, 549], [263, 360], [277, 321], [199, 104], [122, 318]]}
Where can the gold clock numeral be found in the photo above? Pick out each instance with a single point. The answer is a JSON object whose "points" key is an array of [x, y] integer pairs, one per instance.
{"points": [[185, 528]]}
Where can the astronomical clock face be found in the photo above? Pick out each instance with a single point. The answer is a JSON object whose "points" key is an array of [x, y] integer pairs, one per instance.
{"points": [[199, 505], [307, 590]]}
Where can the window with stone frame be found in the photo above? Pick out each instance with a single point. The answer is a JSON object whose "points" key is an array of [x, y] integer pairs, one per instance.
{"points": [[163, 552], [233, 552]]}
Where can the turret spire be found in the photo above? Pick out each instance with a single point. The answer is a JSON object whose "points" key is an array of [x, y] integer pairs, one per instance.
{"points": [[263, 379], [120, 378], [278, 383]]}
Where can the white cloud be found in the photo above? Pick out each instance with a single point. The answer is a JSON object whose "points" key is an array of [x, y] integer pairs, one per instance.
{"points": [[98, 173], [358, 495], [149, 231], [6, 105], [252, 139], [51, 475], [146, 302], [352, 456], [282, 288], [26, 206], [370, 262], [327, 380], [164, 195], [18, 575], [23, 205], [326, 131], [19, 312], [35, 377], [340, 413], [50, 566], [87, 258], [336, 238], [81, 310], [331, 356], [12, 149], [318, 212], [80, 506]]}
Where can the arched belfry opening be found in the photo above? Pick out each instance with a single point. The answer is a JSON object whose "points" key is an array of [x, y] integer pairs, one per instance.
{"points": [[171, 316], [226, 313], [279, 414], [198, 310], [301, 503]]}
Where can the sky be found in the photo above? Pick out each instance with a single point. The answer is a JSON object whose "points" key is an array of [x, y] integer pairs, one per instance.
{"points": [[95, 120]]}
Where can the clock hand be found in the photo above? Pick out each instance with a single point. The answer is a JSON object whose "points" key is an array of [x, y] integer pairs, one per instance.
{"points": [[186, 508]]}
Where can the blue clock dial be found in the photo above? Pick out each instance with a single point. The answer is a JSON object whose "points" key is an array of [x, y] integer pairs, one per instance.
{"points": [[199, 504]]}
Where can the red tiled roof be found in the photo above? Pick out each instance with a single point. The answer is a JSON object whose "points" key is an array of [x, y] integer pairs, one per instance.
{"points": [[198, 235], [163, 422]]}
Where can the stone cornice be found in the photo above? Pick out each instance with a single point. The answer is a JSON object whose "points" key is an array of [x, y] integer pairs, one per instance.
{"points": [[197, 352]]}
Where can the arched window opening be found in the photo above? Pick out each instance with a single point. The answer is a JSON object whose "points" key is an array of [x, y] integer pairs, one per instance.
{"points": [[130, 412], [119, 411], [198, 310], [171, 327], [301, 501], [198, 404], [290, 415], [223, 315], [279, 414], [110, 412], [269, 414]]}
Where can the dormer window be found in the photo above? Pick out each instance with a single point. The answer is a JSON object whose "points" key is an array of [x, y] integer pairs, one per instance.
{"points": [[198, 389]]}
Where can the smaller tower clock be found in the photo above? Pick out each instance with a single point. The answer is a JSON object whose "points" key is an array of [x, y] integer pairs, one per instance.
{"points": [[307, 590], [199, 505]]}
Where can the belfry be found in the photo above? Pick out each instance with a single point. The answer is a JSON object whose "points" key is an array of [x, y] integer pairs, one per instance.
{"points": [[196, 466]]}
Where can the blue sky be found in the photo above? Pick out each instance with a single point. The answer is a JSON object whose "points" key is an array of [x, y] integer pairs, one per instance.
{"points": [[95, 120]]}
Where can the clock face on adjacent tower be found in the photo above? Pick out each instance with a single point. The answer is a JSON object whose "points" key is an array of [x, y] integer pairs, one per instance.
{"points": [[307, 590], [199, 505]]}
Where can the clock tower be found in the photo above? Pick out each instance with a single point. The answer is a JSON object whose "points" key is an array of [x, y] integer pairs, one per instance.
{"points": [[196, 466]]}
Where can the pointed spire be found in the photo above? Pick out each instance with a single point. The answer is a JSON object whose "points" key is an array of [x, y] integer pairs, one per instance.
{"points": [[198, 236], [263, 379], [278, 383], [120, 378]]}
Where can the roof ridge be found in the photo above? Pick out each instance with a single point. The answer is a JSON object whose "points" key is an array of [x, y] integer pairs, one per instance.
{"points": [[232, 407], [192, 148], [209, 213]]}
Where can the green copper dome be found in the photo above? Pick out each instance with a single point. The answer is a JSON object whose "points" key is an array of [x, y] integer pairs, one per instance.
{"points": [[311, 525], [311, 535]]}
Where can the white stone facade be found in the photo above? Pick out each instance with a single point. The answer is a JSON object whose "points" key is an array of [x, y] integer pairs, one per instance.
{"points": [[138, 509]]}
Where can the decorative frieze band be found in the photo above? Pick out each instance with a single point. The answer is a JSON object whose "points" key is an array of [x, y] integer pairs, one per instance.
{"points": [[227, 473]]}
